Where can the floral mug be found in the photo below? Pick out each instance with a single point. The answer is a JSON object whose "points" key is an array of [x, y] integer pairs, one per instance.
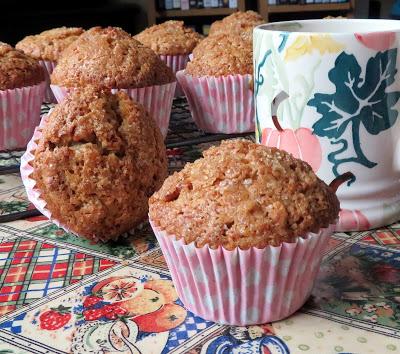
{"points": [[328, 92]]}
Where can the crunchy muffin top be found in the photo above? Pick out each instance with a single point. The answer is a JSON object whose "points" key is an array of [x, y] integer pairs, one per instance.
{"points": [[236, 23], [99, 159], [110, 58], [170, 38], [49, 44], [243, 194], [17, 69], [222, 55]]}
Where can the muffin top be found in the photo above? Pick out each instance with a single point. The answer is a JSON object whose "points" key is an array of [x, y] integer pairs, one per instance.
{"points": [[170, 38], [49, 44], [243, 194], [236, 23], [17, 69], [99, 159], [110, 58], [222, 55]]}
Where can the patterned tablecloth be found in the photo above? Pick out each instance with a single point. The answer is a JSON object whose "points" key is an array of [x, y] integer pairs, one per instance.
{"points": [[63, 294]]}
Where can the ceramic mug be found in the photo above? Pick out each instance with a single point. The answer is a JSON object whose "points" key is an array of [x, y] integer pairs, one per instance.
{"points": [[328, 92]]}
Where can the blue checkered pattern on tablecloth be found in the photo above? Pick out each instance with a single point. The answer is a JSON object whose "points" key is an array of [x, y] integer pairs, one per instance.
{"points": [[186, 330], [14, 325]]}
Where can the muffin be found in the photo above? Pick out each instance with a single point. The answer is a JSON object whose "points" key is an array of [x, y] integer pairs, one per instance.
{"points": [[173, 42], [47, 47], [217, 83], [242, 230], [237, 23], [111, 58], [22, 84], [170, 38], [95, 162], [223, 55]]}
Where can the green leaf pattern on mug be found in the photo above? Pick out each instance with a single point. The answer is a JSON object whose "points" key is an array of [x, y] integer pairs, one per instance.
{"points": [[357, 100]]}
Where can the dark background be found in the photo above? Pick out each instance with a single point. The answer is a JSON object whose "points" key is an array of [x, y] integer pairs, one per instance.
{"points": [[21, 18]]}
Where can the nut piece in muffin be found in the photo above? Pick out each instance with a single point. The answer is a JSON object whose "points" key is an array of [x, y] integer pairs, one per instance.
{"points": [[170, 38], [237, 23], [222, 55], [99, 159], [17, 69], [243, 194], [49, 44], [110, 58]]}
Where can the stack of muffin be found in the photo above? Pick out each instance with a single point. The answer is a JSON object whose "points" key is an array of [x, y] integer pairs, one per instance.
{"points": [[252, 218]]}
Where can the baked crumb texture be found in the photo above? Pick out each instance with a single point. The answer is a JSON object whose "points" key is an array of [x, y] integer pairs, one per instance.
{"points": [[49, 44], [17, 69], [242, 194], [222, 55], [99, 159], [170, 38], [110, 58], [237, 23]]}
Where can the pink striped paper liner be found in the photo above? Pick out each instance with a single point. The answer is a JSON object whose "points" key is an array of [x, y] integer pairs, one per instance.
{"points": [[48, 68], [26, 170], [176, 63], [19, 115], [156, 99], [220, 104], [244, 287]]}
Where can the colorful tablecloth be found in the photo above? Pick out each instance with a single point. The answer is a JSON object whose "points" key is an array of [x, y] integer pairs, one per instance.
{"points": [[63, 294]]}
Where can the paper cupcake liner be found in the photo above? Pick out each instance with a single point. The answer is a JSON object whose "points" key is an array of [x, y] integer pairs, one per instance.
{"points": [[156, 99], [49, 67], [19, 115], [220, 104], [244, 287], [176, 63]]}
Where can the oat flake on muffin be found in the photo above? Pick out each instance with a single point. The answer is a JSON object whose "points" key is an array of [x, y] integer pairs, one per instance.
{"points": [[48, 45], [17, 69], [110, 58], [243, 194], [222, 55], [237, 23], [170, 38], [99, 159]]}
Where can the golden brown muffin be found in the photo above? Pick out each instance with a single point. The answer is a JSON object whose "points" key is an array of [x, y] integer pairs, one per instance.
{"points": [[99, 159], [237, 23], [110, 58], [170, 38], [222, 55], [17, 69], [49, 44], [243, 194]]}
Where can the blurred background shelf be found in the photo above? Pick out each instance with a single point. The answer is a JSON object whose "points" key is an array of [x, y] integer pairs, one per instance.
{"points": [[308, 7]]}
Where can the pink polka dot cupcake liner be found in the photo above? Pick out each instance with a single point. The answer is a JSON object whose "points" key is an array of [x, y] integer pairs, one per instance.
{"points": [[27, 169], [176, 63], [48, 67], [156, 99], [19, 115], [220, 104], [244, 287]]}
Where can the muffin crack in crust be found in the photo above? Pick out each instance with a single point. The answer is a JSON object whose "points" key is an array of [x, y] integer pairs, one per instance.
{"points": [[99, 159], [243, 194]]}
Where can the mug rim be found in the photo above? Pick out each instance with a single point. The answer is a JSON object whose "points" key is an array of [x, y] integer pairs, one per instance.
{"points": [[268, 27]]}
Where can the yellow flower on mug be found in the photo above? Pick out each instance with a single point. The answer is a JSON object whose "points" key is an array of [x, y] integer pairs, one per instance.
{"points": [[306, 44]]}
